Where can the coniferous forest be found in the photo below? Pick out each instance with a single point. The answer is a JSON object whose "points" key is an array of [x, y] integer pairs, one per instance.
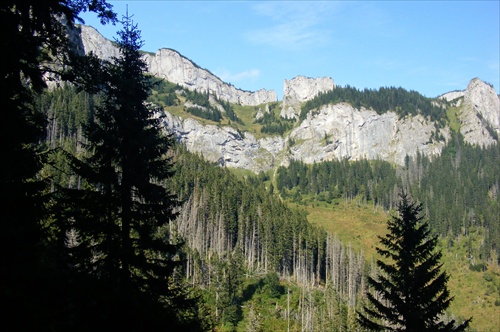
{"points": [[464, 179], [109, 223]]}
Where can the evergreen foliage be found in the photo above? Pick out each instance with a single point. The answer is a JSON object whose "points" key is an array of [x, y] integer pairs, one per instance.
{"points": [[229, 111], [398, 100], [372, 180], [164, 92], [464, 178], [272, 123], [204, 188], [226, 218], [410, 293], [32, 40], [210, 114], [114, 221], [203, 108]]}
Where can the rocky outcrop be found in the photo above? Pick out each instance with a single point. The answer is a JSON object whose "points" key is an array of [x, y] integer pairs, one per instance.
{"points": [[340, 131], [175, 68], [453, 95], [226, 145], [301, 89], [172, 66], [93, 41], [260, 113], [480, 114], [334, 131]]}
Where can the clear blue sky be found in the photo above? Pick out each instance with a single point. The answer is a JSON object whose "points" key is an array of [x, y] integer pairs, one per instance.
{"points": [[429, 46]]}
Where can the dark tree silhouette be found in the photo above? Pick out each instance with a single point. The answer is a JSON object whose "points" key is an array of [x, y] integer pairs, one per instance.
{"points": [[32, 38], [410, 293], [119, 216]]}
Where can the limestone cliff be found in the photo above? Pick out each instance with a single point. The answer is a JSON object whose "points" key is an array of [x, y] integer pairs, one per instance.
{"points": [[301, 89], [478, 112], [225, 145], [93, 41], [480, 115], [333, 131], [172, 66], [341, 131]]}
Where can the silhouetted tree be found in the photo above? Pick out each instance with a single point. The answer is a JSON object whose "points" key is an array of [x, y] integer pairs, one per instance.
{"points": [[122, 209], [33, 36], [410, 294]]}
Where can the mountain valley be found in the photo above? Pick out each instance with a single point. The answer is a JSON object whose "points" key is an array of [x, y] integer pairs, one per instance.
{"points": [[293, 193]]}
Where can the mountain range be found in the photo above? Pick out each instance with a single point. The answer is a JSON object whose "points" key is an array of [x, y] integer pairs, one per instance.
{"points": [[331, 131]]}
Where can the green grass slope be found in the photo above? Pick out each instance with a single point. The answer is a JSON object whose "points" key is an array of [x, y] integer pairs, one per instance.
{"points": [[477, 293]]}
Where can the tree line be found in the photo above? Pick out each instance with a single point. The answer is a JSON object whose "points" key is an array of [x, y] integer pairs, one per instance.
{"points": [[272, 123], [90, 247], [112, 239], [231, 228], [464, 179], [224, 218], [375, 181], [398, 100], [164, 94]]}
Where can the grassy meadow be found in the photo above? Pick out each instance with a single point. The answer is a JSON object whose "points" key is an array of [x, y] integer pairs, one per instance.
{"points": [[477, 293]]}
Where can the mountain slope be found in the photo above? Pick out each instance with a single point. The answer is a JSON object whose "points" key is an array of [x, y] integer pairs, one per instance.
{"points": [[331, 131], [173, 67]]}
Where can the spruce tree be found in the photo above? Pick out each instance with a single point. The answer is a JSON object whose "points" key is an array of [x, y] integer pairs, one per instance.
{"points": [[122, 209], [410, 293]]}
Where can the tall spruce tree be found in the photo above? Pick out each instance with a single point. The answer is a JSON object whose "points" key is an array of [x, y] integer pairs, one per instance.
{"points": [[410, 293], [118, 217]]}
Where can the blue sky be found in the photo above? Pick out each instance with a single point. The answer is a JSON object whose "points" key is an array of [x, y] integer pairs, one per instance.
{"points": [[429, 46]]}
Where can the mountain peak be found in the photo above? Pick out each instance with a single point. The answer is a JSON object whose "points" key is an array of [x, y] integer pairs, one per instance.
{"points": [[333, 131], [301, 89], [480, 114], [172, 66]]}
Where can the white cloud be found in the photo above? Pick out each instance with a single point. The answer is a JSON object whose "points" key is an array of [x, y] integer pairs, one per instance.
{"points": [[494, 65], [293, 35], [227, 76], [292, 25]]}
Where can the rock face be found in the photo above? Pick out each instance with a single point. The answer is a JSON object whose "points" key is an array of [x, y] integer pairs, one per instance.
{"points": [[340, 131], [450, 96], [93, 41], [172, 66], [480, 115], [301, 89], [333, 131], [226, 145], [479, 112]]}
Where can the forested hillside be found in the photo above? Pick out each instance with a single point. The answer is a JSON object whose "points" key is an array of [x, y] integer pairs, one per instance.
{"points": [[459, 189], [109, 223], [236, 232], [239, 232], [398, 100]]}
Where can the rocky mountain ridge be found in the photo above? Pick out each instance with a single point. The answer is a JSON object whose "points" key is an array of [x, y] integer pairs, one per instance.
{"points": [[332, 131], [479, 112], [173, 67], [301, 89]]}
